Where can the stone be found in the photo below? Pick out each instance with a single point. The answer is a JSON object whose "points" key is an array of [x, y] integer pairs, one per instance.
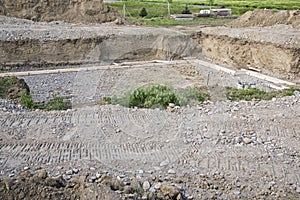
{"points": [[164, 163], [75, 170], [98, 175], [152, 190], [69, 172], [171, 105], [298, 189], [169, 191], [113, 183], [236, 192], [42, 174], [146, 185], [247, 140], [26, 168], [157, 186], [171, 171]]}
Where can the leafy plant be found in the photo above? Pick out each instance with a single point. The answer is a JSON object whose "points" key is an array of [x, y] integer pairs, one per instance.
{"points": [[158, 96], [57, 103], [27, 101], [152, 96]]}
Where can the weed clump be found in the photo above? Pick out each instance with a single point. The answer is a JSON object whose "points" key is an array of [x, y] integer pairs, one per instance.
{"points": [[56, 103], [158, 96], [249, 94]]}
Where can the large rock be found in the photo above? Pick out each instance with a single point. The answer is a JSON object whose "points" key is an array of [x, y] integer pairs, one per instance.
{"points": [[83, 11]]}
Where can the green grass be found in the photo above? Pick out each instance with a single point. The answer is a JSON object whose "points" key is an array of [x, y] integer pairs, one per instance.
{"points": [[158, 96], [235, 94], [56, 103], [158, 12]]}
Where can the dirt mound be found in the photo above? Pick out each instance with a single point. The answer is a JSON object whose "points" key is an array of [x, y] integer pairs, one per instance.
{"points": [[267, 18], [12, 88], [85, 11]]}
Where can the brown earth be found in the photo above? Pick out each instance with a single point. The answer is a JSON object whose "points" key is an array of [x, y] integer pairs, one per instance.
{"points": [[263, 18], [84, 11], [260, 39]]}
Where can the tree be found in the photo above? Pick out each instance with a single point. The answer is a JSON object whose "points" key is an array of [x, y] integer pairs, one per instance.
{"points": [[186, 10], [143, 12], [211, 2]]}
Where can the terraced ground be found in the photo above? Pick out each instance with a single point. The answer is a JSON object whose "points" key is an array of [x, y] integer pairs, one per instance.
{"points": [[254, 145]]}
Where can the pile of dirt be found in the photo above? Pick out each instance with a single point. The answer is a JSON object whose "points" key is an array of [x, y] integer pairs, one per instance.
{"points": [[12, 88], [264, 18], [85, 11]]}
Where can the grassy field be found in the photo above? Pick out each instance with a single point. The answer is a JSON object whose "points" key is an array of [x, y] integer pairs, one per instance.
{"points": [[158, 10]]}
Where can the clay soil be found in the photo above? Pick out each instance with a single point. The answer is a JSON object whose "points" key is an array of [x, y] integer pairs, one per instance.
{"points": [[215, 150]]}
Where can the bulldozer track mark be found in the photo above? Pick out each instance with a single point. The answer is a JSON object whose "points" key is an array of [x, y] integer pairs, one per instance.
{"points": [[44, 152]]}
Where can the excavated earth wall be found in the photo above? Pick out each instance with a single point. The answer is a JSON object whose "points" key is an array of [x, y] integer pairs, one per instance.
{"points": [[260, 39], [27, 43], [75, 11], [243, 53]]}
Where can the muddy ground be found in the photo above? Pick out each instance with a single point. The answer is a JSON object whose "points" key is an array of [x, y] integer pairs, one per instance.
{"points": [[215, 150]]}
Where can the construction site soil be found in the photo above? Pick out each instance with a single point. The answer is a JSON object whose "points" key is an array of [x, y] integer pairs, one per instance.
{"points": [[214, 150]]}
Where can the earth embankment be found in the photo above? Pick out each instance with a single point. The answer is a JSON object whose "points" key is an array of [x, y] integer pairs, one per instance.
{"points": [[259, 39], [84, 11]]}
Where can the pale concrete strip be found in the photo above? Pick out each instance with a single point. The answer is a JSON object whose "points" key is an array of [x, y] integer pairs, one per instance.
{"points": [[267, 78], [217, 67], [258, 75], [93, 68]]}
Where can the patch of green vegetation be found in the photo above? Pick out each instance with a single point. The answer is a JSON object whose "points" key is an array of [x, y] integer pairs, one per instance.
{"points": [[159, 8], [56, 103], [158, 96], [249, 94], [166, 21]]}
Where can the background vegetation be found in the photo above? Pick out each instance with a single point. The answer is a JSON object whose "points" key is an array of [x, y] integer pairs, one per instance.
{"points": [[157, 10]]}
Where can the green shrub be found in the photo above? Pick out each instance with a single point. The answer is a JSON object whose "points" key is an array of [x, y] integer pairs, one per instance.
{"points": [[158, 96], [27, 101], [143, 12], [152, 96], [57, 103]]}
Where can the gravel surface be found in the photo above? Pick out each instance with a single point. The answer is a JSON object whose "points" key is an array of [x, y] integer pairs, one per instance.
{"points": [[217, 149], [13, 29]]}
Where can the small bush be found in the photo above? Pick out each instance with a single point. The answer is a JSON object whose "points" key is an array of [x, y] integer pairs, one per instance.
{"points": [[158, 96], [152, 96], [57, 103], [27, 101], [143, 12]]}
